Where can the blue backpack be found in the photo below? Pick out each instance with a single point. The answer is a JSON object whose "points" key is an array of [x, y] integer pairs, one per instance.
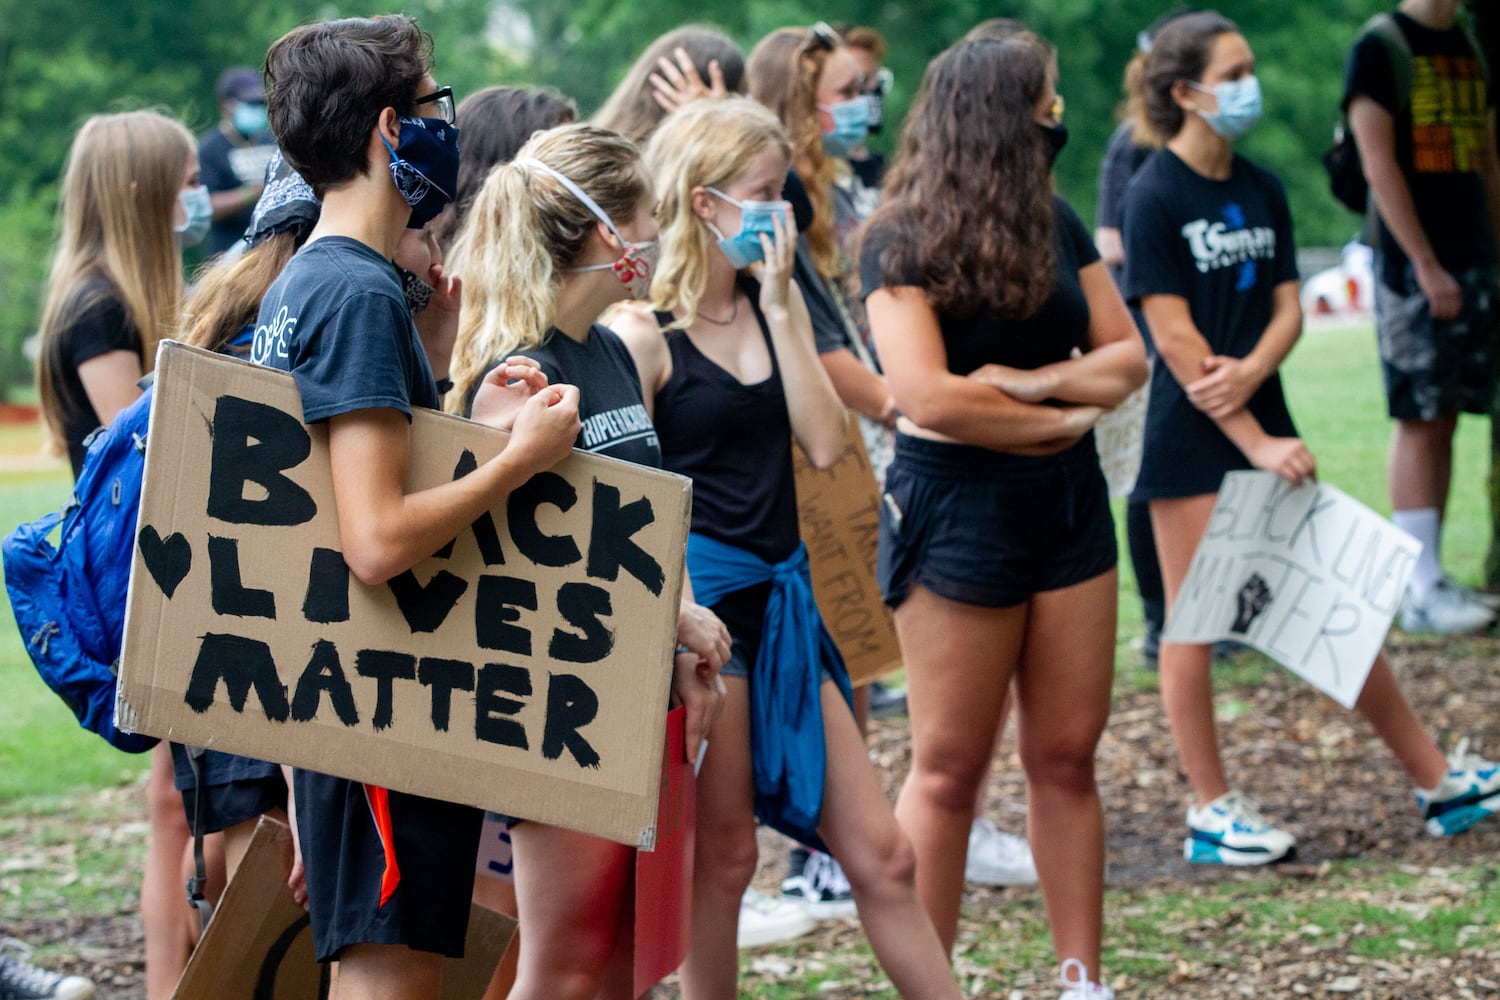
{"points": [[69, 601]]}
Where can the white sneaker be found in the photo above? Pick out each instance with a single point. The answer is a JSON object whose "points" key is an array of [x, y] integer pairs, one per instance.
{"points": [[1075, 976], [1468, 793], [1446, 609], [998, 858], [764, 921], [1230, 831]]}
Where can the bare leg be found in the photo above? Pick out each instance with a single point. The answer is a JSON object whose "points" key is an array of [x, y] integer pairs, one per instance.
{"points": [[959, 661], [571, 890], [979, 794], [164, 910], [1063, 691], [1186, 683], [1382, 703], [877, 857], [726, 852], [1421, 463], [388, 972]]}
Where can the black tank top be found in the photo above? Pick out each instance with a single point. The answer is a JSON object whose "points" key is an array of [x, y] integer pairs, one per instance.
{"points": [[735, 442]]}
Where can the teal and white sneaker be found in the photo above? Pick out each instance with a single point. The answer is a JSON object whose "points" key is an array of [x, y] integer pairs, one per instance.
{"points": [[1468, 793], [1230, 831]]}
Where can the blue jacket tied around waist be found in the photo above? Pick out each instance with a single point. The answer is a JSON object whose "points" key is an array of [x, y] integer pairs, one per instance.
{"points": [[786, 716]]}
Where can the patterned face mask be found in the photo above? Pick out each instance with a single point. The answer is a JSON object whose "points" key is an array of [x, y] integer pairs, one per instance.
{"points": [[637, 262]]}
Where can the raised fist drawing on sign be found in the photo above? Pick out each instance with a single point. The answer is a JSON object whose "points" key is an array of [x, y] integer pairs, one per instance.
{"points": [[1253, 598]]}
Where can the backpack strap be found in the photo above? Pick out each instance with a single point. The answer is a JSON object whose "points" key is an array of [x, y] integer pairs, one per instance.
{"points": [[1383, 27], [195, 885]]}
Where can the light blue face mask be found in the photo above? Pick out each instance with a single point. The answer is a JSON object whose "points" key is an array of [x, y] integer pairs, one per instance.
{"points": [[756, 217], [198, 213], [1239, 106], [851, 126], [249, 118]]}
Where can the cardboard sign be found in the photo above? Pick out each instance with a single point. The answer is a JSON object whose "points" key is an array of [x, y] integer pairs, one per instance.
{"points": [[259, 944], [1118, 436], [524, 668], [1308, 575], [839, 510], [664, 877]]}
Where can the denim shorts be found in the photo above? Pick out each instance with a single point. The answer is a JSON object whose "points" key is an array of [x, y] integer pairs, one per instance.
{"points": [[991, 529]]}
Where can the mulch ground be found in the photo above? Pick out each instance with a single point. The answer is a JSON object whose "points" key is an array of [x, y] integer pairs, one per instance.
{"points": [[1312, 765]]}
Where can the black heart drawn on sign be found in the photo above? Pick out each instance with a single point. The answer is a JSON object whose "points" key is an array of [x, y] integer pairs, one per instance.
{"points": [[168, 559]]}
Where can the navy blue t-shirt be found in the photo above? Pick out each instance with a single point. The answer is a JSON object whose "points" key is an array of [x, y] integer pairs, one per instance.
{"points": [[1224, 246], [337, 320]]}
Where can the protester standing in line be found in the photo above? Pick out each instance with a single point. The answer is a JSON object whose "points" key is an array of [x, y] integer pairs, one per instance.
{"points": [[1222, 315], [729, 367], [997, 549], [233, 155], [357, 113], [131, 199], [1429, 154], [539, 250], [686, 63]]}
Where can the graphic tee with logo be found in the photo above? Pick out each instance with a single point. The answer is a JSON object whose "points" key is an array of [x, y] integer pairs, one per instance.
{"points": [[1223, 246], [1443, 158]]}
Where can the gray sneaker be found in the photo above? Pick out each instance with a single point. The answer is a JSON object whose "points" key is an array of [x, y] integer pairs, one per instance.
{"points": [[20, 980], [1446, 609]]}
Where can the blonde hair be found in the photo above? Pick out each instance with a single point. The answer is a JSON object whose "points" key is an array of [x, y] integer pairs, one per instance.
{"points": [[784, 70], [522, 231], [115, 238], [227, 293], [705, 144]]}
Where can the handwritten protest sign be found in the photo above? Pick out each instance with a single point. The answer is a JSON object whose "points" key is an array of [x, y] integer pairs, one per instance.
{"points": [[1119, 436], [664, 877], [259, 944], [839, 510], [1307, 575], [523, 668]]}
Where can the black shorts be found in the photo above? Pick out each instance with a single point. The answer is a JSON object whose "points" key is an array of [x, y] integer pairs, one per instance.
{"points": [[991, 529], [384, 867], [234, 789], [1434, 368]]}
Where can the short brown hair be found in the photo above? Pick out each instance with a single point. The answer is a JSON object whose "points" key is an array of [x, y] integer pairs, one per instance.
{"points": [[327, 83], [872, 41]]}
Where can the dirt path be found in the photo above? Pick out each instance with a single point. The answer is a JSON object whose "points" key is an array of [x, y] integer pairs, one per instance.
{"points": [[1311, 764]]}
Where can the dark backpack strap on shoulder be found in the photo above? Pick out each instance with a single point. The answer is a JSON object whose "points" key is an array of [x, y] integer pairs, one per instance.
{"points": [[195, 885]]}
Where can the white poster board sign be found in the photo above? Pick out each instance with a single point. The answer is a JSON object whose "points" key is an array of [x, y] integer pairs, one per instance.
{"points": [[1307, 575], [1118, 436]]}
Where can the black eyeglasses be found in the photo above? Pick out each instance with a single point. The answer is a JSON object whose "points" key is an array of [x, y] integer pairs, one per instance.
{"points": [[443, 97], [823, 37]]}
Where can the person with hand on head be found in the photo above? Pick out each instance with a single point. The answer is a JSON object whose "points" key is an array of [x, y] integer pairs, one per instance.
{"points": [[682, 66], [1005, 340], [233, 156], [357, 113], [130, 200], [1222, 317], [1426, 143], [729, 368], [554, 238]]}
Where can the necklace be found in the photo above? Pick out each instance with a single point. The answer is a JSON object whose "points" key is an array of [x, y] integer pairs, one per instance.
{"points": [[733, 314]]}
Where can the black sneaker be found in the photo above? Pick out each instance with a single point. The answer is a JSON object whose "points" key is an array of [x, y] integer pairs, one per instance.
{"points": [[20, 980], [817, 882], [886, 702]]}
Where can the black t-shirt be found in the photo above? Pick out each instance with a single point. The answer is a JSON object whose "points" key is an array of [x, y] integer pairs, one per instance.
{"points": [[1443, 158], [99, 326], [1122, 158], [1049, 335], [1224, 246], [615, 422], [337, 320], [224, 164]]}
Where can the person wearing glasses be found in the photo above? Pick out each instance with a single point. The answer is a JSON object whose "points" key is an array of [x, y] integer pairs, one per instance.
{"points": [[1004, 340], [356, 112]]}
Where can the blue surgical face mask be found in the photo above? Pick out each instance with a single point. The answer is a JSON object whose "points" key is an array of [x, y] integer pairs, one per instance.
{"points": [[1239, 106], [198, 211], [851, 125], [249, 119], [756, 217], [424, 166]]}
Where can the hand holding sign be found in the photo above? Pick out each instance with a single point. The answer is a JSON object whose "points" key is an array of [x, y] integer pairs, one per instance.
{"points": [[1287, 457]]}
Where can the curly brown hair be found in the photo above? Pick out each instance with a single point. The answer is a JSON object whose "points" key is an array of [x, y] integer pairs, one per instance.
{"points": [[968, 203]]}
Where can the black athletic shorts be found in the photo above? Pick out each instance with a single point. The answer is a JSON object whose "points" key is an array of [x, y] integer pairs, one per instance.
{"points": [[235, 789], [991, 529], [384, 867]]}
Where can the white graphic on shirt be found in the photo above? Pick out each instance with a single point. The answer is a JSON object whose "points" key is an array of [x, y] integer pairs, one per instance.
{"points": [[606, 430], [271, 338], [1216, 246]]}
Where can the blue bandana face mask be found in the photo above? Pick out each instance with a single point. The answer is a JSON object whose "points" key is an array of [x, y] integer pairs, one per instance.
{"points": [[756, 217], [424, 166], [1239, 106], [851, 125]]}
